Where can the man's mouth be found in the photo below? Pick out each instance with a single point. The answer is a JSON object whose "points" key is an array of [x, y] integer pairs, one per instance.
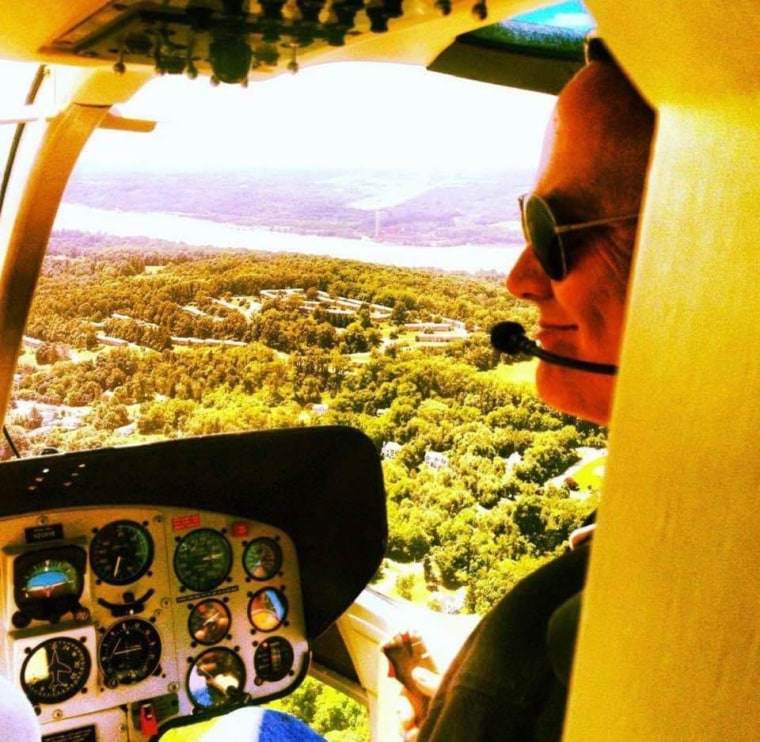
{"points": [[550, 333]]}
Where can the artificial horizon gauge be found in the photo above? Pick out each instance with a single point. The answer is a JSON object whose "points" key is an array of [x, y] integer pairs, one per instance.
{"points": [[209, 621], [47, 583], [216, 679], [262, 558], [203, 559], [129, 652], [55, 670], [267, 609], [121, 552]]}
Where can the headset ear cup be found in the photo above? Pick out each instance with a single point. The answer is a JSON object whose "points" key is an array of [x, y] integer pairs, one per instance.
{"points": [[17, 718]]}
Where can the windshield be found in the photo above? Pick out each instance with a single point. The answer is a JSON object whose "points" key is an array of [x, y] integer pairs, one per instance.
{"points": [[245, 267], [247, 271], [251, 266]]}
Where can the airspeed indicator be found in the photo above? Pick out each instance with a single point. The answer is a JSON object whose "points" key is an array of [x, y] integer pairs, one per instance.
{"points": [[121, 552]]}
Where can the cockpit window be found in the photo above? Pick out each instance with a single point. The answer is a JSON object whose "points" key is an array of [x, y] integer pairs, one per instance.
{"points": [[19, 82], [251, 265], [323, 249]]}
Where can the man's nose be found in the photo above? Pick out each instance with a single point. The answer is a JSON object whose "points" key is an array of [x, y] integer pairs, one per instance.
{"points": [[527, 279]]}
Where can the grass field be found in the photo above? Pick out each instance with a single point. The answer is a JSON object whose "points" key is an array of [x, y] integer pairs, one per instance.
{"points": [[517, 373], [411, 576]]}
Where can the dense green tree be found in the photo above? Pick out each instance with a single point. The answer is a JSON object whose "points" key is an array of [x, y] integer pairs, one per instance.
{"points": [[108, 416], [327, 711]]}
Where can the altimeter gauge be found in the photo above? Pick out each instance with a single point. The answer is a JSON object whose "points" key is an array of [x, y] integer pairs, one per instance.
{"points": [[129, 652]]}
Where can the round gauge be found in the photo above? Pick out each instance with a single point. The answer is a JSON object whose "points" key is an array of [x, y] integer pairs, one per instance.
{"points": [[273, 659], [121, 552], [129, 652], [267, 609], [209, 621], [216, 679], [262, 558], [48, 583], [55, 670], [203, 559], [48, 579]]}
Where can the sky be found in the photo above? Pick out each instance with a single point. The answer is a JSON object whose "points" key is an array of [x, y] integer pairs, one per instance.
{"points": [[343, 114], [349, 114]]}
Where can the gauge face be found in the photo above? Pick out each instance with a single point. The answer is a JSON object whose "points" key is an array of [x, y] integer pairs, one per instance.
{"points": [[121, 552], [267, 609], [49, 579], [209, 621], [203, 559], [48, 583], [273, 659], [216, 679], [129, 652], [262, 558], [55, 670]]}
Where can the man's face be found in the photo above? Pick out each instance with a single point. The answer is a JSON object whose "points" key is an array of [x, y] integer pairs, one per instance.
{"points": [[593, 167]]}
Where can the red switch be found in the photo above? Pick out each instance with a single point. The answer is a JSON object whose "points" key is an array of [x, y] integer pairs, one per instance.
{"points": [[148, 721]]}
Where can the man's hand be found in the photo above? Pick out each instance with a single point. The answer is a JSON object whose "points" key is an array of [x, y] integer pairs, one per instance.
{"points": [[426, 683]]}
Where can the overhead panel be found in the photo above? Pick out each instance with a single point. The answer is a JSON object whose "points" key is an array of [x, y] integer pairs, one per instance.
{"points": [[234, 39]]}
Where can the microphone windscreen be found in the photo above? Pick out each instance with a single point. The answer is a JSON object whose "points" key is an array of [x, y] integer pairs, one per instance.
{"points": [[508, 337]]}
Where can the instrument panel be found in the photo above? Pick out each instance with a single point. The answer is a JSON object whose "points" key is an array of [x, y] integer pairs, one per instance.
{"points": [[162, 611]]}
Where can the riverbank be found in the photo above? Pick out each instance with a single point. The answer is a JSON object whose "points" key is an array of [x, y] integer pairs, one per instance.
{"points": [[204, 232]]}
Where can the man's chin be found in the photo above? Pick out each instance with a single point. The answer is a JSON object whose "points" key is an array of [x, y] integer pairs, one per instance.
{"points": [[578, 393]]}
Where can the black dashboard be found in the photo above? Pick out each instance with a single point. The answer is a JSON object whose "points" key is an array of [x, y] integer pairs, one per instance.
{"points": [[146, 583]]}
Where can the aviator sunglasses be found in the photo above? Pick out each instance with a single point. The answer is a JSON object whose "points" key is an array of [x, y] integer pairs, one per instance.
{"points": [[544, 235]]}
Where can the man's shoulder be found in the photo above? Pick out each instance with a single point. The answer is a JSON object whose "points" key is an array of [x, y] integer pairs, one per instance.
{"points": [[503, 678], [517, 624]]}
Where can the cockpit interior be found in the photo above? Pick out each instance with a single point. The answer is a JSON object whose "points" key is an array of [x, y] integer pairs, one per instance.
{"points": [[126, 603], [146, 586]]}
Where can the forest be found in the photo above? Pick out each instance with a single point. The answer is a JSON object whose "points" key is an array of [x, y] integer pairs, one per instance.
{"points": [[137, 341]]}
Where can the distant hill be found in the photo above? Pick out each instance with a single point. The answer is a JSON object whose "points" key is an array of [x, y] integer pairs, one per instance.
{"points": [[402, 208]]}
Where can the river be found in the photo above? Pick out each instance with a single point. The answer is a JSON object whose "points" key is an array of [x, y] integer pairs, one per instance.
{"points": [[204, 232]]}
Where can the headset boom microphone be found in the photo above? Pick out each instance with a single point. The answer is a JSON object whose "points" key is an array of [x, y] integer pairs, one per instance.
{"points": [[509, 337]]}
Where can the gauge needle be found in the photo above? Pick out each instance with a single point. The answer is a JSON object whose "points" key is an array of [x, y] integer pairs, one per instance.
{"points": [[117, 566], [128, 650]]}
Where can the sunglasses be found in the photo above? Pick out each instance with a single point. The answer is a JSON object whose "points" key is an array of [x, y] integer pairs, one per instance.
{"points": [[544, 235]]}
